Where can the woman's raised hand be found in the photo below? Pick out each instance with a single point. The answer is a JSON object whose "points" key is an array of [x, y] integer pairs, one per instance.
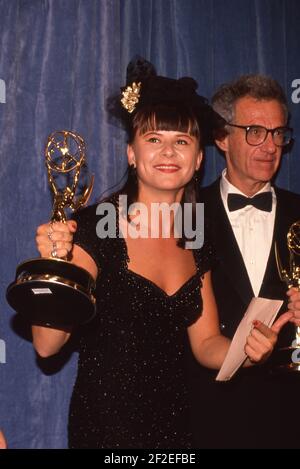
{"points": [[55, 239]]}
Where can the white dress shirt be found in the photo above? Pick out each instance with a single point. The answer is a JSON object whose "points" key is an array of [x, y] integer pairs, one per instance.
{"points": [[253, 231]]}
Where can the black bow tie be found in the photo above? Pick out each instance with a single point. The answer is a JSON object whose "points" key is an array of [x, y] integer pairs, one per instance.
{"points": [[262, 201]]}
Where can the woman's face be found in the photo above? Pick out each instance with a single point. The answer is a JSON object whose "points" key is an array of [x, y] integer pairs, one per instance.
{"points": [[164, 160]]}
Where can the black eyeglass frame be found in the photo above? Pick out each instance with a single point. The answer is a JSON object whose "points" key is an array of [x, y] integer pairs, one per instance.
{"points": [[272, 131]]}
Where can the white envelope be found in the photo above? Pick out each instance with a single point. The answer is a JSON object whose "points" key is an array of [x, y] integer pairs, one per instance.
{"points": [[259, 308]]}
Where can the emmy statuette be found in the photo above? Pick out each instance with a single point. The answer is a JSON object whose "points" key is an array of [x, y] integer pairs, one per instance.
{"points": [[51, 291], [289, 357]]}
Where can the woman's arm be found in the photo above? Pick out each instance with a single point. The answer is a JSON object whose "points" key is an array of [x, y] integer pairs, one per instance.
{"points": [[210, 346], [46, 340]]}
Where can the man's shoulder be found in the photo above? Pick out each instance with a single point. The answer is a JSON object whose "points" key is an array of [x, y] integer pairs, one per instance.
{"points": [[211, 190], [289, 200], [286, 194], [288, 204]]}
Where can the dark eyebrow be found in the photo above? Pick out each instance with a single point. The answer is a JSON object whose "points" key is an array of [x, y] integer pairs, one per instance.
{"points": [[158, 133]]}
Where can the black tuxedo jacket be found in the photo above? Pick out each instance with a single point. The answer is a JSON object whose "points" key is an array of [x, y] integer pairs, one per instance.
{"points": [[231, 283], [250, 410]]}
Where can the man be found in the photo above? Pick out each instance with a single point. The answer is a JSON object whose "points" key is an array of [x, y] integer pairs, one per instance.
{"points": [[256, 409]]}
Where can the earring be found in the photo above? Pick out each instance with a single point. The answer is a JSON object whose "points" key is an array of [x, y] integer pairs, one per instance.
{"points": [[196, 177], [132, 171]]}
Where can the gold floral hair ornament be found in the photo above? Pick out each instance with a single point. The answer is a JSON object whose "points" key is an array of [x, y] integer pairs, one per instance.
{"points": [[131, 96]]}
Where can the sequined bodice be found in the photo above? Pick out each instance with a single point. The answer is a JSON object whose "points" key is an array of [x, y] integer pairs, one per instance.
{"points": [[131, 388]]}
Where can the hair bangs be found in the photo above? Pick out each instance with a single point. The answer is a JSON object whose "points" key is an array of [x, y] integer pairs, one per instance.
{"points": [[169, 118]]}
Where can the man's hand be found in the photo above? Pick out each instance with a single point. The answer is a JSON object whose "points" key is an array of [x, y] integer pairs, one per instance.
{"points": [[294, 305], [262, 339]]}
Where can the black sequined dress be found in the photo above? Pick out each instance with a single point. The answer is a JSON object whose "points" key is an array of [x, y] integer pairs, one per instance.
{"points": [[130, 390]]}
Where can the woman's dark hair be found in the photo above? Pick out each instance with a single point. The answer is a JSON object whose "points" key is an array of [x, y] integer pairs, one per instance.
{"points": [[165, 117], [152, 102]]}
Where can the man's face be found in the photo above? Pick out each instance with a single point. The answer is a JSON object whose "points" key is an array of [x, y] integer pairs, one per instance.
{"points": [[250, 167]]}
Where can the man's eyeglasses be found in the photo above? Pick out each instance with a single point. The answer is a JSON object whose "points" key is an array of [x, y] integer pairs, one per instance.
{"points": [[257, 134]]}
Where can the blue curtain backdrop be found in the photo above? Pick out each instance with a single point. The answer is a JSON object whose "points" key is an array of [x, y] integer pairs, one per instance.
{"points": [[59, 60]]}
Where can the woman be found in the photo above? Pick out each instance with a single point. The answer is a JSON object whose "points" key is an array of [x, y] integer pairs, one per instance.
{"points": [[152, 294]]}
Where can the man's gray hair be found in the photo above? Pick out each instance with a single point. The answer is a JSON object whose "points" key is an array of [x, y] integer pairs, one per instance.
{"points": [[260, 87]]}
